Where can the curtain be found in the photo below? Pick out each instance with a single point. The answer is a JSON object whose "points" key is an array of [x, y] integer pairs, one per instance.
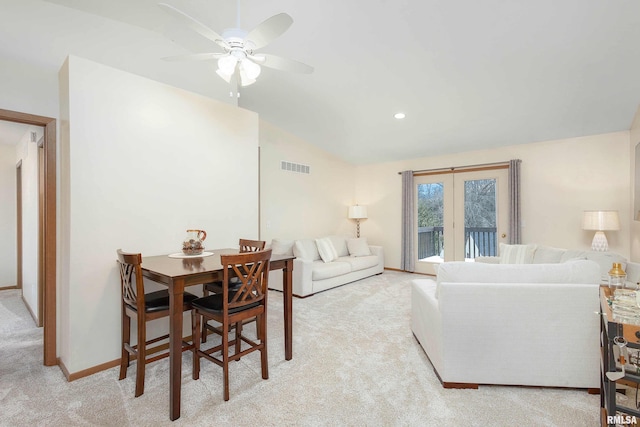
{"points": [[515, 231], [407, 259]]}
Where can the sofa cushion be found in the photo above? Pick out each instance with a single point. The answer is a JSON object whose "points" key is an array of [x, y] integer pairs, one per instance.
{"points": [[516, 254], [358, 247], [282, 247], [547, 255], [340, 245], [572, 255], [361, 262], [326, 250], [326, 270], [306, 249], [605, 260]]}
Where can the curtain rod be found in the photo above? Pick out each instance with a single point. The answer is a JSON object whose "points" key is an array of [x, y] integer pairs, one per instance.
{"points": [[453, 168]]}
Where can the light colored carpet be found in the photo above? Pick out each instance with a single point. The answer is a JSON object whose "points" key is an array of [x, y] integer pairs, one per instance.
{"points": [[355, 363]]}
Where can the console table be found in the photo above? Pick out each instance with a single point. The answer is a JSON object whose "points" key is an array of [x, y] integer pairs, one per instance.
{"points": [[611, 328]]}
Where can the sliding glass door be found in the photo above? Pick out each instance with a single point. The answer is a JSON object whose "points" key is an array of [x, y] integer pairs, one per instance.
{"points": [[460, 216]]}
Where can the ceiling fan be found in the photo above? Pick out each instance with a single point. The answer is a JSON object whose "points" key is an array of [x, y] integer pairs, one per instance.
{"points": [[238, 63]]}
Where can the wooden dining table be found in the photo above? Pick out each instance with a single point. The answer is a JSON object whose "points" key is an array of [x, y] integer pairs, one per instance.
{"points": [[179, 273]]}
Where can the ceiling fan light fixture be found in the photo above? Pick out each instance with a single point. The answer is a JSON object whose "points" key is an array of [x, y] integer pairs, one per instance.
{"points": [[227, 64], [245, 80], [251, 69], [399, 115]]}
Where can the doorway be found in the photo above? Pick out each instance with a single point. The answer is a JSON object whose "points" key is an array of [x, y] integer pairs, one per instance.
{"points": [[47, 226], [460, 215]]}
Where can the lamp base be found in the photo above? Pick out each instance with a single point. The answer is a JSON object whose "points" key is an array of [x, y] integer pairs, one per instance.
{"points": [[358, 228], [599, 242]]}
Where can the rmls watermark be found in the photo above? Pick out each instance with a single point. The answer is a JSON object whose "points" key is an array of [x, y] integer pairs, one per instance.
{"points": [[622, 420]]}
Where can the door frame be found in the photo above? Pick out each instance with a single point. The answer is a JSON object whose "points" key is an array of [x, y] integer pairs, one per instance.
{"points": [[19, 224], [452, 197], [47, 219]]}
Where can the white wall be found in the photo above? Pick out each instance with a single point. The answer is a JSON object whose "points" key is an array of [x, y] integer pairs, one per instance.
{"points": [[141, 162], [8, 221], [295, 205], [560, 179]]}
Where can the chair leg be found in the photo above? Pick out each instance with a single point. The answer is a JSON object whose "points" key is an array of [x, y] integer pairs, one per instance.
{"points": [[195, 332], [262, 333], [238, 337], [142, 354], [126, 339], [225, 358], [205, 332]]}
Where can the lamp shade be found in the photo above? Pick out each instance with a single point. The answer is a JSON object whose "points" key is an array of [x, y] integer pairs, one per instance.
{"points": [[600, 220], [357, 212]]}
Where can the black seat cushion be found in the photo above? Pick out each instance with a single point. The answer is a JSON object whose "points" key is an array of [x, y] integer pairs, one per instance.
{"points": [[159, 300], [213, 303], [216, 287]]}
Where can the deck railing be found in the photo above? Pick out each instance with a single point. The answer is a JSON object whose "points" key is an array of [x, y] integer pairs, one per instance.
{"points": [[479, 241]]}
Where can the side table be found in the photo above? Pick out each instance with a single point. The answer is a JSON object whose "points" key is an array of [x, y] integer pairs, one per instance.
{"points": [[612, 413]]}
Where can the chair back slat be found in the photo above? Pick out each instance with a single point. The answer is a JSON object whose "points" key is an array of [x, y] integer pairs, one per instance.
{"points": [[252, 271], [130, 269], [247, 245]]}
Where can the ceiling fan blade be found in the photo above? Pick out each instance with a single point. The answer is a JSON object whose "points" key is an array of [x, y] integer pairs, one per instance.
{"points": [[279, 63], [195, 57], [195, 25], [269, 29]]}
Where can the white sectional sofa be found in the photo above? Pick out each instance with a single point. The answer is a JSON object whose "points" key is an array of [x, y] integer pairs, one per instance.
{"points": [[316, 270], [540, 254], [511, 324]]}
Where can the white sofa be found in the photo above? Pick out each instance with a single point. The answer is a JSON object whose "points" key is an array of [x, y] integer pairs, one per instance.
{"points": [[510, 324], [540, 254], [354, 259]]}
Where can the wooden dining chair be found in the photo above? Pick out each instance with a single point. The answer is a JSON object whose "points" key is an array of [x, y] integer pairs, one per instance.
{"points": [[145, 307], [245, 245], [232, 307]]}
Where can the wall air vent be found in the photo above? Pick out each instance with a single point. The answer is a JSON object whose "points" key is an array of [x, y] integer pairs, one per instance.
{"points": [[294, 167]]}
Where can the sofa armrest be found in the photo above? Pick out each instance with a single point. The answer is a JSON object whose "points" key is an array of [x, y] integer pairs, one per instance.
{"points": [[302, 277], [379, 251], [488, 259]]}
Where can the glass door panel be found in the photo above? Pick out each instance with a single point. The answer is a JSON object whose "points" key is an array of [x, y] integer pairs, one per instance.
{"points": [[480, 218], [482, 211], [433, 202]]}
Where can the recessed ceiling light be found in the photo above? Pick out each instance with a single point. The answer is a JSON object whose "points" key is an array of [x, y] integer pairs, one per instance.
{"points": [[399, 115]]}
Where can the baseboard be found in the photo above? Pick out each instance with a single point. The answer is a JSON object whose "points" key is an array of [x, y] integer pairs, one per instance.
{"points": [[399, 270], [6, 288], [86, 372], [107, 365], [33, 316]]}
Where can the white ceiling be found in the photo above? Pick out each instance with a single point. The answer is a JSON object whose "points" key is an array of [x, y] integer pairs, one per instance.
{"points": [[468, 74]]}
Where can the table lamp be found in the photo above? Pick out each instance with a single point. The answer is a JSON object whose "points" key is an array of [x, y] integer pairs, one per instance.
{"points": [[600, 221], [357, 212]]}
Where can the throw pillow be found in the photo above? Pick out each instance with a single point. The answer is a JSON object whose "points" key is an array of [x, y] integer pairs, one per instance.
{"points": [[358, 247], [327, 251], [282, 247], [300, 252], [516, 254]]}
